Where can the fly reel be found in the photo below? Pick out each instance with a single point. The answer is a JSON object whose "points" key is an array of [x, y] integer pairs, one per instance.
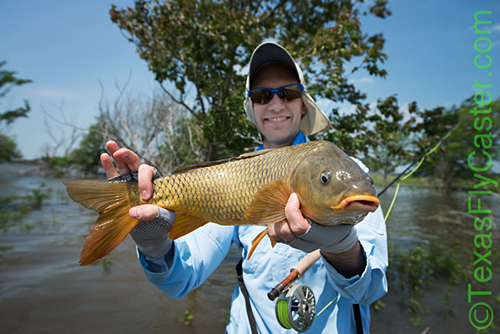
{"points": [[296, 308]]}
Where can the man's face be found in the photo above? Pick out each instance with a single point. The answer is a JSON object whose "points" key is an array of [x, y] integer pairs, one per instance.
{"points": [[277, 121]]}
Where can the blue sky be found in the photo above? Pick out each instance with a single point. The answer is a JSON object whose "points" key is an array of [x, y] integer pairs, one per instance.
{"points": [[68, 48]]}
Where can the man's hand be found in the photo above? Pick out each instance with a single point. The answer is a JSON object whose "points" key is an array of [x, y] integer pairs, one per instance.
{"points": [[294, 224], [151, 233], [151, 237], [308, 236], [338, 243], [127, 161]]}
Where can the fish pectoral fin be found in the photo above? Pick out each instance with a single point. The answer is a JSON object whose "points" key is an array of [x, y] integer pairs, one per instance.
{"points": [[268, 204], [256, 241], [184, 224]]}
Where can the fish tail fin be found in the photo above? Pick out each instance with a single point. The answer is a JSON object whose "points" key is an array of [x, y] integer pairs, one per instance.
{"points": [[257, 240], [111, 201]]}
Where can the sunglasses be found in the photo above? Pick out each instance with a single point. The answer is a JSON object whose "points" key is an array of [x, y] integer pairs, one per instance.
{"points": [[286, 93]]}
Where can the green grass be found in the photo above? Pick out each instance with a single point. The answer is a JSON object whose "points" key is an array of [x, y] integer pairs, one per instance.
{"points": [[15, 208], [187, 318], [411, 272]]}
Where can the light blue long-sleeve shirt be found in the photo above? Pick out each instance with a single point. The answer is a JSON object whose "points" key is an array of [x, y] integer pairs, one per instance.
{"points": [[198, 254]]}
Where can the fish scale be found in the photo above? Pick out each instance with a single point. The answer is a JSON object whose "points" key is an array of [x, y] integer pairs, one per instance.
{"points": [[212, 193]]}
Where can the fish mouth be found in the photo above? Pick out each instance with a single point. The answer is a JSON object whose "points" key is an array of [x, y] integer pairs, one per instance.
{"points": [[364, 203]]}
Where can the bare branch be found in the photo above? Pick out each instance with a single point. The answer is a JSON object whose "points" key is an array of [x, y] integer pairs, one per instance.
{"points": [[181, 102], [256, 140], [60, 141], [155, 130], [75, 135], [65, 123], [271, 13]]}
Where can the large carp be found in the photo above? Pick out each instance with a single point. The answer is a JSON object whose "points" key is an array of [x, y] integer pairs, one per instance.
{"points": [[251, 189]]}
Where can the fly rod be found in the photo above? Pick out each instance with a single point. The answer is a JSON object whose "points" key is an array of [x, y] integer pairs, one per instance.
{"points": [[432, 147]]}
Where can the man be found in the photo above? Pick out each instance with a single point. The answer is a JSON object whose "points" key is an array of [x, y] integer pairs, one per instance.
{"points": [[353, 260]]}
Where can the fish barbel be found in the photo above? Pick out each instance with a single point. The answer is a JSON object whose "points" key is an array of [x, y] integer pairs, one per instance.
{"points": [[252, 189]]}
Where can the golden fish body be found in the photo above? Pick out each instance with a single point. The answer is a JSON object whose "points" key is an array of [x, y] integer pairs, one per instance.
{"points": [[223, 192], [251, 189]]}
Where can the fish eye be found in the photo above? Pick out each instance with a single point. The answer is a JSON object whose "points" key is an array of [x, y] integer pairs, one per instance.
{"points": [[325, 176], [369, 179]]}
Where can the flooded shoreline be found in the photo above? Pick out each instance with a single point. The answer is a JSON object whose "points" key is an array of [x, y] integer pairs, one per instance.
{"points": [[44, 290]]}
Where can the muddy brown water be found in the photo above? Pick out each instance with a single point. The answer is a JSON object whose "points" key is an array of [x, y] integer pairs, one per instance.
{"points": [[44, 290]]}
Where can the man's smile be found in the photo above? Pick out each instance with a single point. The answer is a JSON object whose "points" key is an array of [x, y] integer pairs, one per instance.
{"points": [[276, 119]]}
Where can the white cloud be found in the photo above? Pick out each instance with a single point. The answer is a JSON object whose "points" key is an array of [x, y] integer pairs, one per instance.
{"points": [[363, 80], [325, 105], [347, 110], [52, 93], [485, 27]]}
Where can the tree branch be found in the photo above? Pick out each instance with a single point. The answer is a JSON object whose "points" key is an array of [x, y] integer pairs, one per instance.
{"points": [[182, 103]]}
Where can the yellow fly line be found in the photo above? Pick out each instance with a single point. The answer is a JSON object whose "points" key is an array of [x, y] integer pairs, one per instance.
{"points": [[413, 171]]}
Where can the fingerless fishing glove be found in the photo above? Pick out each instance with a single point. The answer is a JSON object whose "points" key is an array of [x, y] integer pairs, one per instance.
{"points": [[151, 237], [333, 238]]}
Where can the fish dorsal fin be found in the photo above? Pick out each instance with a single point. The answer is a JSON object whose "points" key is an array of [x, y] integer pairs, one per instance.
{"points": [[184, 169], [257, 240], [268, 204], [184, 224], [255, 153]]}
